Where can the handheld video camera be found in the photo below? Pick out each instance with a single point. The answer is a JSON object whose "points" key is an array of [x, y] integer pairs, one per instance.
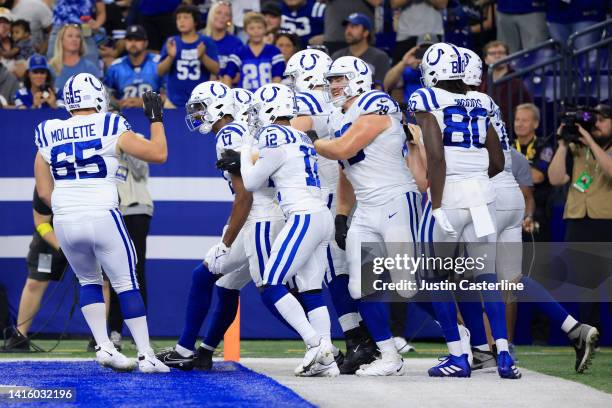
{"points": [[572, 116]]}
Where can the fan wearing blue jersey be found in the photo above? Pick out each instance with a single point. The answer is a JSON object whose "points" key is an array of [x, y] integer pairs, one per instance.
{"points": [[510, 209], [256, 63], [287, 157], [368, 142], [77, 161], [187, 59], [219, 27], [304, 18], [463, 152], [245, 245], [129, 77]]}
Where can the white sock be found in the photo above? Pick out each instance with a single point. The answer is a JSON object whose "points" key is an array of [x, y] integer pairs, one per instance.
{"points": [[95, 316], [502, 345], [207, 347], [454, 348], [293, 313], [140, 333], [349, 321], [465, 340], [568, 324], [319, 319], [183, 351], [387, 349], [483, 347]]}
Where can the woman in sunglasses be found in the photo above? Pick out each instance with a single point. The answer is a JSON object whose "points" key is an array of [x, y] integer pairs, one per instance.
{"points": [[38, 90]]}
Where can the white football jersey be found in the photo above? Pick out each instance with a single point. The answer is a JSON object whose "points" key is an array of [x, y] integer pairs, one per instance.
{"points": [[230, 137], [378, 172], [504, 178], [296, 179], [313, 104], [82, 154]]}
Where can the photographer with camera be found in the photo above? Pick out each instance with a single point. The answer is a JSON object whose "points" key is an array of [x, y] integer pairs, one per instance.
{"points": [[406, 73], [587, 135]]}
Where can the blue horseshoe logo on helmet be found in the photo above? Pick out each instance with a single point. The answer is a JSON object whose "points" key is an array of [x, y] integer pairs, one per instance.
{"points": [[221, 94], [93, 83], [365, 67], [314, 58], [440, 53], [275, 89], [248, 97]]}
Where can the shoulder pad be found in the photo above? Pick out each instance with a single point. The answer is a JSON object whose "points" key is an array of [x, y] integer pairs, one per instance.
{"points": [[230, 137], [376, 102], [308, 104], [272, 136], [423, 100]]}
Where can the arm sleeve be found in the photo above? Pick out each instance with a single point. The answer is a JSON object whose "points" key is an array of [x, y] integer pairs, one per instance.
{"points": [[419, 101], [278, 65], [256, 175], [233, 65]]}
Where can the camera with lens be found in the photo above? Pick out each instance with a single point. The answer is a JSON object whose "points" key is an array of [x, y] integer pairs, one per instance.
{"points": [[572, 116]]}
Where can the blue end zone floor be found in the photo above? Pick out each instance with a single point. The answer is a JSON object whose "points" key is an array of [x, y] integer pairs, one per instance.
{"points": [[227, 385]]}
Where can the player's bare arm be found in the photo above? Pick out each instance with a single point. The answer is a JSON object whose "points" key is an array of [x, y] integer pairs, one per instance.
{"points": [[44, 179], [436, 164], [302, 123], [496, 155], [359, 135], [240, 211]]}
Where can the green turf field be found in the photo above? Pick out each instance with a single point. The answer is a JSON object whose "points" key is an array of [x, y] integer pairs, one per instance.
{"points": [[557, 361]]}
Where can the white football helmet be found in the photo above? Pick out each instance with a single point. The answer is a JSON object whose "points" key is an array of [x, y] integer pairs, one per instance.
{"points": [[84, 91], [306, 69], [209, 102], [243, 101], [442, 62], [273, 101], [473, 67], [358, 79]]}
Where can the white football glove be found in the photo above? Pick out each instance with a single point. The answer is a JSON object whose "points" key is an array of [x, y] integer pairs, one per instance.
{"points": [[216, 257], [443, 222]]}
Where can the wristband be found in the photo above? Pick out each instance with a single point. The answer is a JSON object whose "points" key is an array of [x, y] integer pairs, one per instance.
{"points": [[44, 228]]}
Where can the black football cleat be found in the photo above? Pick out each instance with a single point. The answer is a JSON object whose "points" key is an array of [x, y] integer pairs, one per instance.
{"points": [[173, 359], [357, 354], [202, 359]]}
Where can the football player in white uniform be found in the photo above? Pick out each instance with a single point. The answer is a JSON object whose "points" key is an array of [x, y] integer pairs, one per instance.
{"points": [[77, 161], [510, 212], [245, 246], [368, 142], [306, 71], [463, 151], [287, 157]]}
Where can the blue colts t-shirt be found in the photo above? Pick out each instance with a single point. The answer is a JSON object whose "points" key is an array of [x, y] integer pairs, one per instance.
{"points": [[127, 81], [256, 71], [187, 69], [226, 46]]}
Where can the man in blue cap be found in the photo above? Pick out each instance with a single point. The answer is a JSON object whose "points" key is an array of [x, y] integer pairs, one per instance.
{"points": [[357, 32]]}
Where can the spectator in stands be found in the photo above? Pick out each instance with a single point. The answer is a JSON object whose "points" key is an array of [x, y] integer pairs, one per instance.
{"points": [[240, 8], [6, 44], [417, 17], [136, 206], [539, 153], [23, 47], [38, 90], [46, 263], [304, 18], [157, 17], [566, 17], [467, 24], [136, 73], [115, 26], [336, 12], [588, 213], [521, 23], [188, 58], [271, 10], [40, 17], [358, 32], [68, 56], [407, 71], [89, 14], [508, 94], [257, 63], [288, 44], [8, 86], [219, 27]]}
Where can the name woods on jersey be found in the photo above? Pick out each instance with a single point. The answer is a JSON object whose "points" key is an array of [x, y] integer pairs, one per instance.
{"points": [[77, 160]]}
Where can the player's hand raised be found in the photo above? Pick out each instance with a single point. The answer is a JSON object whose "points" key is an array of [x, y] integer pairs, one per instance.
{"points": [[153, 106], [230, 162], [341, 223]]}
